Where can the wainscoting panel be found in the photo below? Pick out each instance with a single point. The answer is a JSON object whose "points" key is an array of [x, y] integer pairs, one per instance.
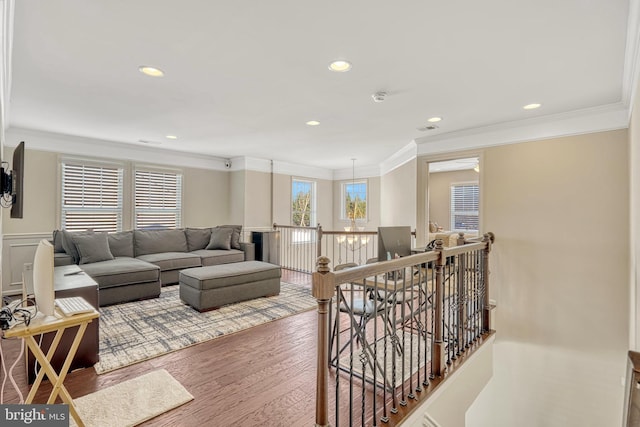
{"points": [[17, 250]]}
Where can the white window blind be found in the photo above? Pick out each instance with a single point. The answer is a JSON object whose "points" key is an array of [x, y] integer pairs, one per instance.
{"points": [[91, 197], [158, 199], [465, 202]]}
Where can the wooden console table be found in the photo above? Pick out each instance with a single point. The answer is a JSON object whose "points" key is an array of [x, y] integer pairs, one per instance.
{"points": [[47, 324]]}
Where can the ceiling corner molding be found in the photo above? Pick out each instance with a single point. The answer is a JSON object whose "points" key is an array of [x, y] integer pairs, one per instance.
{"points": [[590, 120], [399, 158], [283, 168], [631, 71], [360, 172], [5, 61], [90, 147]]}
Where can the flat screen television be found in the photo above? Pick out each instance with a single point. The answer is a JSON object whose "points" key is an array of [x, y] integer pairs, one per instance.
{"points": [[393, 241], [17, 179]]}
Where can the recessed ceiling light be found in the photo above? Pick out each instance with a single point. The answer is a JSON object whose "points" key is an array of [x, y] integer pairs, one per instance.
{"points": [[532, 106], [434, 119], [340, 66], [313, 123], [171, 137], [151, 71]]}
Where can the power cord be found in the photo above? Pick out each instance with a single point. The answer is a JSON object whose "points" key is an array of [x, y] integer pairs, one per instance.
{"points": [[10, 376]]}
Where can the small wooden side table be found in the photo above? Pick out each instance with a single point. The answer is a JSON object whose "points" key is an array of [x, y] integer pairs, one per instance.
{"points": [[40, 325]]}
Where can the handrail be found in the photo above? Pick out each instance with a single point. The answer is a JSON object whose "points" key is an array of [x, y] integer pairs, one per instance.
{"points": [[450, 313]]}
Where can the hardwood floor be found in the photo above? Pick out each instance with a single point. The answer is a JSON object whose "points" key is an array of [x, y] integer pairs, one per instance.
{"points": [[263, 376]]}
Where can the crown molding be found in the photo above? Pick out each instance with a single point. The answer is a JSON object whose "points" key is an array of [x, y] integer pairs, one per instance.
{"points": [[399, 158], [360, 172], [591, 120], [7, 10], [70, 144], [284, 168], [631, 71]]}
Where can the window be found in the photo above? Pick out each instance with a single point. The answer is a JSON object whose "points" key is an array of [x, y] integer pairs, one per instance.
{"points": [[91, 196], [354, 200], [465, 206], [303, 203], [158, 199]]}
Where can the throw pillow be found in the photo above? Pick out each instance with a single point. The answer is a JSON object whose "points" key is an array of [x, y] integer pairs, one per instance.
{"points": [[433, 227], [92, 247], [197, 238], [69, 246], [121, 244], [57, 241], [220, 238], [235, 237]]}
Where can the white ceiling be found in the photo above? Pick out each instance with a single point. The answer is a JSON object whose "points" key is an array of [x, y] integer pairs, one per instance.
{"points": [[243, 77]]}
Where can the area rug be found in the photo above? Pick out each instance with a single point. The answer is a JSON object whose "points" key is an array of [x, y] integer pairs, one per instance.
{"points": [[413, 360], [141, 330], [133, 401]]}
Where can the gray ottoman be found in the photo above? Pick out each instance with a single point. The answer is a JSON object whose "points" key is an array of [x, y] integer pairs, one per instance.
{"points": [[206, 288]]}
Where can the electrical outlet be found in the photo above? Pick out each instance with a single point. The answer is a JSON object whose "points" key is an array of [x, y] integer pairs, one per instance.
{"points": [[28, 266]]}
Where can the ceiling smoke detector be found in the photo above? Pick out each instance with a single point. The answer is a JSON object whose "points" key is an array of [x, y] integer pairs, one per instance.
{"points": [[379, 96], [428, 127]]}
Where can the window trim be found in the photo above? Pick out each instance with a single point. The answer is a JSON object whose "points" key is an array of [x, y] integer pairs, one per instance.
{"points": [[91, 163], [343, 199], [451, 212], [138, 167], [313, 216]]}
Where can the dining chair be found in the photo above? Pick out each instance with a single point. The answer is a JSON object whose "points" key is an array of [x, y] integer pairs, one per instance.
{"points": [[361, 307]]}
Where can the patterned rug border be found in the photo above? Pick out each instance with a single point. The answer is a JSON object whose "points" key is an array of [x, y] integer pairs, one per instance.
{"points": [[288, 290]]}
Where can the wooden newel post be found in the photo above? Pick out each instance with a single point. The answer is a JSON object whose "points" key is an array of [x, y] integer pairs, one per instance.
{"points": [[438, 363], [488, 238], [323, 288]]}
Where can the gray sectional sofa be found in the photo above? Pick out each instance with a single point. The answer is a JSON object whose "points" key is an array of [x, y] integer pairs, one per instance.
{"points": [[131, 265]]}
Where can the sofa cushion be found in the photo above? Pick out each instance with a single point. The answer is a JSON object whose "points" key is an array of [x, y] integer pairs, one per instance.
{"points": [[197, 238], [92, 247], [172, 260], [57, 241], [157, 241], [69, 246], [235, 237], [121, 271], [220, 238], [219, 256], [121, 243]]}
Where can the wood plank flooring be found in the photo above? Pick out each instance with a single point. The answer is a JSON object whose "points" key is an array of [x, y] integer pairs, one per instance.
{"points": [[262, 376]]}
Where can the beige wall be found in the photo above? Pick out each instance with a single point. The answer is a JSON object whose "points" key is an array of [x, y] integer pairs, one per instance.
{"points": [[559, 274], [634, 198], [439, 194], [40, 194], [398, 196], [257, 200], [205, 198]]}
